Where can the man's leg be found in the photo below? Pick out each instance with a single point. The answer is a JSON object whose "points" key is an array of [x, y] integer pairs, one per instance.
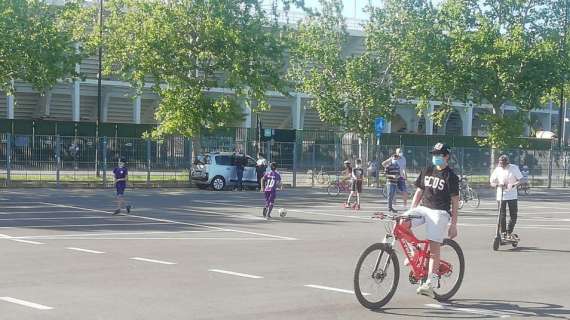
{"points": [[503, 215], [240, 179], [391, 195], [404, 191], [270, 202], [513, 212]]}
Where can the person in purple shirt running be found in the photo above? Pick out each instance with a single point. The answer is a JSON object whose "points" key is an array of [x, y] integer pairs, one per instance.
{"points": [[121, 174], [269, 184]]}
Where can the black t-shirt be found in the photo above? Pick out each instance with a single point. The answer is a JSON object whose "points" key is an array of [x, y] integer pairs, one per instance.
{"points": [[439, 187]]}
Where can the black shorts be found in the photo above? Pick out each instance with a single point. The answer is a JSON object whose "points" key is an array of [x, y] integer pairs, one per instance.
{"points": [[357, 186]]}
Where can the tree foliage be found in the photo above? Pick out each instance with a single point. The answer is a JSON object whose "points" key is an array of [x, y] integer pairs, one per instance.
{"points": [[39, 43], [490, 52], [346, 91], [187, 47]]}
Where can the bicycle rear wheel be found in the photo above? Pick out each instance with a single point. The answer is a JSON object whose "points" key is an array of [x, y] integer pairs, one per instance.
{"points": [[333, 190], [452, 269], [376, 276]]}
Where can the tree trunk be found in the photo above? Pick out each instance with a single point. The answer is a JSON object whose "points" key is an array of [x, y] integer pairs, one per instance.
{"points": [[196, 146]]}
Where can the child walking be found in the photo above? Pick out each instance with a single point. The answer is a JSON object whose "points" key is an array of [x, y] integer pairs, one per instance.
{"points": [[269, 184], [121, 175]]}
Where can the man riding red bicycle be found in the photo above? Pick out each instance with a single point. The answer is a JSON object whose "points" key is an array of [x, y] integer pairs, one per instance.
{"points": [[438, 191]]}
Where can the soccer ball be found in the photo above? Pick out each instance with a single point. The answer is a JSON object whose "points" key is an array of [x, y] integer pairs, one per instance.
{"points": [[282, 212]]}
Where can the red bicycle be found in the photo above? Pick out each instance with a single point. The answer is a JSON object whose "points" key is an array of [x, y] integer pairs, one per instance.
{"points": [[377, 271]]}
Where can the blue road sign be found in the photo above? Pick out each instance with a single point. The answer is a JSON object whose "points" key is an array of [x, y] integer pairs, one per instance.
{"points": [[379, 124]]}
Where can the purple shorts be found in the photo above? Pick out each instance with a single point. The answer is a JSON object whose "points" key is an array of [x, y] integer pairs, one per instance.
{"points": [[270, 198]]}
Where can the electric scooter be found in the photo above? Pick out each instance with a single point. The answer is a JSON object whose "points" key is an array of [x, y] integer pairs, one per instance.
{"points": [[501, 240]]}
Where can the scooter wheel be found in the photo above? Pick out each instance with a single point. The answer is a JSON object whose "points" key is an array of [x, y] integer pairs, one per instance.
{"points": [[515, 244], [496, 243]]}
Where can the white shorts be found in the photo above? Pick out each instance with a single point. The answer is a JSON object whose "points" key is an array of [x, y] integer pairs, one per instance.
{"points": [[436, 222]]}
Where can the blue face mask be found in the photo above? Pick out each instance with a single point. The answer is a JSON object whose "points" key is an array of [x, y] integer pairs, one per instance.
{"points": [[437, 161]]}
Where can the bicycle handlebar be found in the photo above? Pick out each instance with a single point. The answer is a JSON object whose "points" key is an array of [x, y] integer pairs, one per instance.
{"points": [[387, 216]]}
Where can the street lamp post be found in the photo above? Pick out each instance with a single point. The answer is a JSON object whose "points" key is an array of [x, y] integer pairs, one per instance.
{"points": [[99, 89]]}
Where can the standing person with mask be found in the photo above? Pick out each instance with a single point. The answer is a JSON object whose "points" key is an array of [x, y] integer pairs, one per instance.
{"points": [[357, 177], [121, 174], [506, 177], [438, 192], [401, 183], [392, 173], [345, 178]]}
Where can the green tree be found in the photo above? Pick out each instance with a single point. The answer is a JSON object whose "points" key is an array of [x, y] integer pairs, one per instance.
{"points": [[185, 48], [39, 43], [490, 52], [346, 91]]}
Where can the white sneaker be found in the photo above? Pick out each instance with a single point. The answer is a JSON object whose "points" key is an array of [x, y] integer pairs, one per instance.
{"points": [[426, 289]]}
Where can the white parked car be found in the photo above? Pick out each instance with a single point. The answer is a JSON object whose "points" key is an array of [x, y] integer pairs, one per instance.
{"points": [[217, 170]]}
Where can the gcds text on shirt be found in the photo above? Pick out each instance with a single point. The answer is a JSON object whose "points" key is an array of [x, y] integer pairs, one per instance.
{"points": [[434, 182]]}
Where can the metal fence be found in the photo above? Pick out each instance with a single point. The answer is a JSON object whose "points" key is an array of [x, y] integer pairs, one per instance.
{"points": [[86, 161]]}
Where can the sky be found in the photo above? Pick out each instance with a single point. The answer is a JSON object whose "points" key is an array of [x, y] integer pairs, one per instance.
{"points": [[352, 8]]}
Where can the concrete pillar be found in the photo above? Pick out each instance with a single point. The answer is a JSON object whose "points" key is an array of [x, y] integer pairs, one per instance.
{"points": [[75, 101], [76, 93], [246, 107], [468, 120], [137, 109], [429, 119], [526, 132], [105, 105], [296, 111], [10, 103]]}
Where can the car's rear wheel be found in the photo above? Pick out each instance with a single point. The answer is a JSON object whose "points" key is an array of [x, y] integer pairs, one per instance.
{"points": [[218, 183]]}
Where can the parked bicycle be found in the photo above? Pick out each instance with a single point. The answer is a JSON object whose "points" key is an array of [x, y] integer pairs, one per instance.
{"points": [[467, 195], [322, 176], [336, 187], [377, 271]]}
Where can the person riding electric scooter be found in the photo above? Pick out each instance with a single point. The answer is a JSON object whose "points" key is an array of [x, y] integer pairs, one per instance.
{"points": [[505, 178]]}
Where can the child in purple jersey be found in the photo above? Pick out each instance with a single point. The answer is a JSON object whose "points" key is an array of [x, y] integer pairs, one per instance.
{"points": [[121, 173], [269, 184]]}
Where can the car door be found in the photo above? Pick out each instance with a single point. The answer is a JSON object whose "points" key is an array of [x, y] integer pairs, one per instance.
{"points": [[226, 168], [250, 175]]}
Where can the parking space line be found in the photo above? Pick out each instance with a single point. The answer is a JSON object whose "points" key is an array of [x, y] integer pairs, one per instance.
{"points": [[96, 235], [172, 238], [193, 224], [315, 286], [36, 212], [468, 310], [7, 237], [25, 303], [28, 206], [53, 218], [250, 217], [85, 250], [245, 275], [152, 260], [87, 225]]}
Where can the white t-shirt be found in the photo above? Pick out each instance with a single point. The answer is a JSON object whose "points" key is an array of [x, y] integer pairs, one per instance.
{"points": [[508, 175], [261, 162]]}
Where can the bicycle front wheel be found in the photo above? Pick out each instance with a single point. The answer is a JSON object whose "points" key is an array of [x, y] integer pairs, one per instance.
{"points": [[474, 199], [333, 190], [451, 270], [376, 276]]}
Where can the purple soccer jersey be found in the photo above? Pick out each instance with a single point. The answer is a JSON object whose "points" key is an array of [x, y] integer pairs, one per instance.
{"points": [[121, 173], [271, 180]]}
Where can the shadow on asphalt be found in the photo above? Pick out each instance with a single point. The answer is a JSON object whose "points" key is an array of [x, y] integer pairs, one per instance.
{"points": [[485, 309], [536, 249]]}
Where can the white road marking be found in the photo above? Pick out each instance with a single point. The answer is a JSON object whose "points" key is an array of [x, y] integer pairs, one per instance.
{"points": [[330, 289], [84, 250], [87, 225], [36, 212], [25, 303], [245, 275], [468, 310], [190, 224], [5, 236], [58, 218], [249, 217], [26, 207], [152, 260], [173, 238], [85, 235]]}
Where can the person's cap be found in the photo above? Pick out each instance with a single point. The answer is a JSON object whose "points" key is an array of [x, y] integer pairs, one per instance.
{"points": [[440, 148], [346, 162], [123, 160]]}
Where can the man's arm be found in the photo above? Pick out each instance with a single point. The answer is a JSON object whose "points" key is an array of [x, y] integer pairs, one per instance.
{"points": [[493, 180], [417, 197], [386, 162]]}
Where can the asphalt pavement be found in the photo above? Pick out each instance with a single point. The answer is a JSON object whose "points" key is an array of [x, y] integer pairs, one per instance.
{"points": [[195, 254]]}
